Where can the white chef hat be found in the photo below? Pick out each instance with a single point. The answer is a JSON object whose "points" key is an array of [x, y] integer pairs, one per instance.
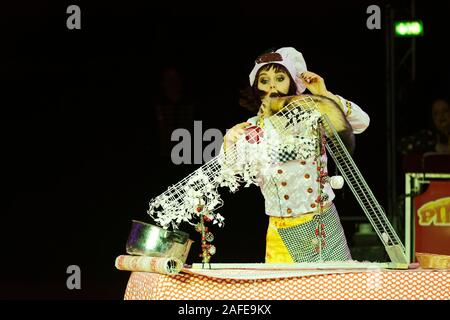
{"points": [[288, 57]]}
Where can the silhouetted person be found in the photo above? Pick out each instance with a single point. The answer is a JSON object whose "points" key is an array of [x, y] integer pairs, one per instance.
{"points": [[432, 140], [172, 108]]}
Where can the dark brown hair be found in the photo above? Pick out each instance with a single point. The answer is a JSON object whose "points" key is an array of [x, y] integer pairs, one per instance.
{"points": [[251, 96]]}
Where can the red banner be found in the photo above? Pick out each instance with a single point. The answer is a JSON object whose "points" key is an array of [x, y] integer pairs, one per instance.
{"points": [[432, 219]]}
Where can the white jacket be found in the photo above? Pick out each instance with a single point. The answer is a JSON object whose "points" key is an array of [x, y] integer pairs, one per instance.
{"points": [[290, 188]]}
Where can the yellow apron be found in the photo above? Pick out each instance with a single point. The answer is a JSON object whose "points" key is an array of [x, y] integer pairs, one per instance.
{"points": [[276, 251]]}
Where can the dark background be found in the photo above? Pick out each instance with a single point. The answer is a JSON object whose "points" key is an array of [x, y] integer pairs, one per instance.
{"points": [[79, 130]]}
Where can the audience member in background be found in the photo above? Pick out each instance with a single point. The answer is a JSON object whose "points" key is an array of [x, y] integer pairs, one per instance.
{"points": [[431, 140], [173, 108]]}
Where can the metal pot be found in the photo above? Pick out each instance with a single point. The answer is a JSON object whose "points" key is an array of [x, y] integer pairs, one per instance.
{"points": [[149, 240]]}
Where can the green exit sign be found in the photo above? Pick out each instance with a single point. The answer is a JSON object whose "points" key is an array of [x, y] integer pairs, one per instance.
{"points": [[408, 28]]}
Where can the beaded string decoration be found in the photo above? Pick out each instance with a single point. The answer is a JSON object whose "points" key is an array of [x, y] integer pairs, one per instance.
{"points": [[206, 236], [322, 179]]}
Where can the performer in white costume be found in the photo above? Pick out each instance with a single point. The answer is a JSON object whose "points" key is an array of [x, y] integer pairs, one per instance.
{"points": [[297, 231]]}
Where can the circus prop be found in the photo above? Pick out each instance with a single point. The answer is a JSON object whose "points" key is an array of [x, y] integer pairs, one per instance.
{"points": [[301, 127]]}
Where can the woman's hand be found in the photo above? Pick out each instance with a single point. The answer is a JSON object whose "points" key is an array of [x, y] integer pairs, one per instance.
{"points": [[316, 85], [265, 108], [234, 133]]}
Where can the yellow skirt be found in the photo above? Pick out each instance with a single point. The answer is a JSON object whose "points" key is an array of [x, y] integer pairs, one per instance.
{"points": [[276, 250]]}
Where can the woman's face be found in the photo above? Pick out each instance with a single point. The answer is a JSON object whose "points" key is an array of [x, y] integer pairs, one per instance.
{"points": [[441, 116], [274, 83]]}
